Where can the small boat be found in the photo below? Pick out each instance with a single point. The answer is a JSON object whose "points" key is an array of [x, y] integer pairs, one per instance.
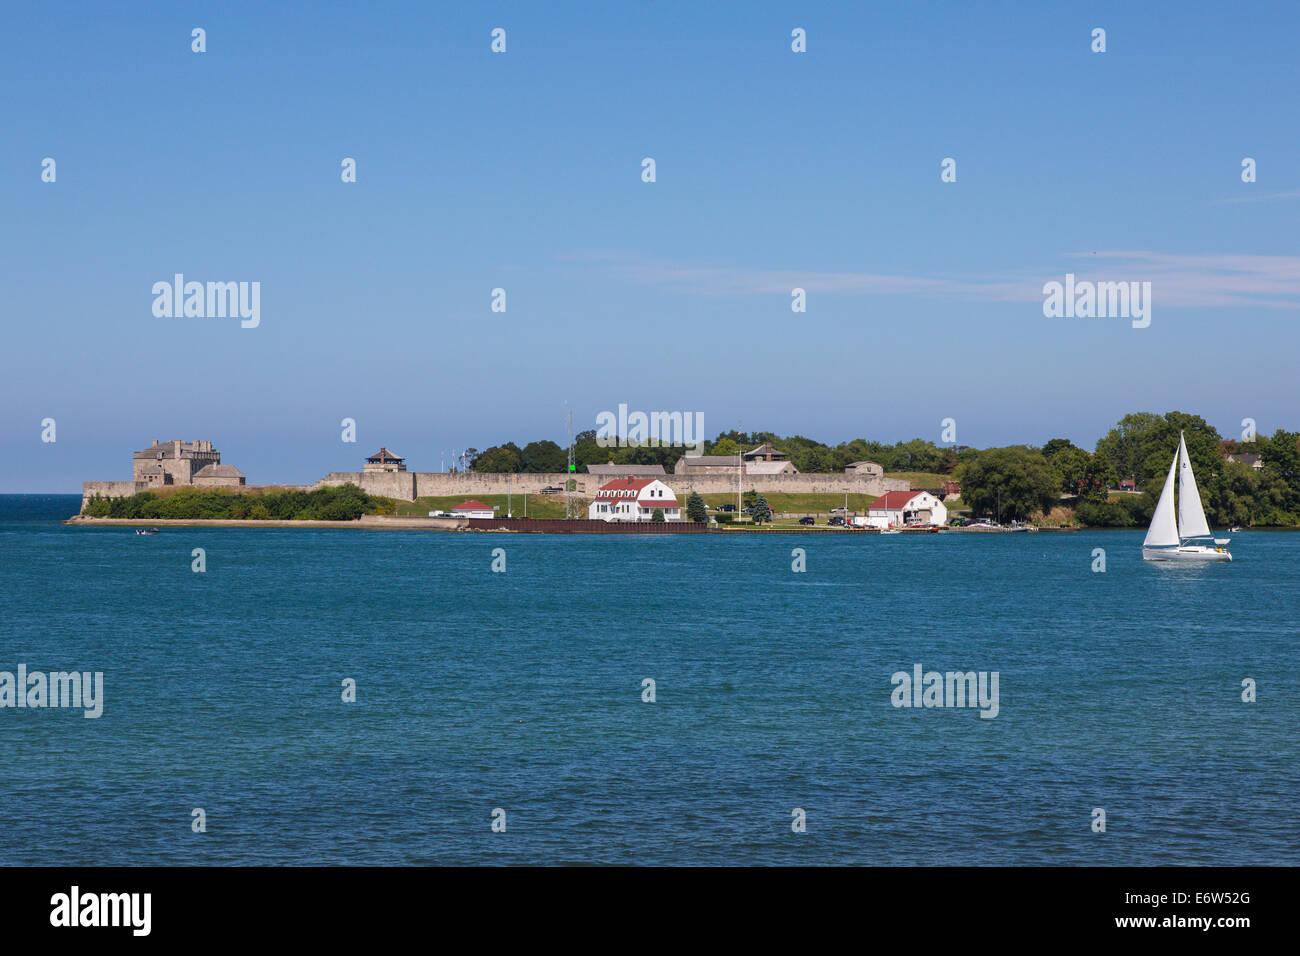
{"points": [[146, 530], [1171, 536], [1234, 529]]}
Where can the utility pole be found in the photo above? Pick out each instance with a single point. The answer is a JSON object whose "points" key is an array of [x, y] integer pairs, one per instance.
{"points": [[568, 482], [740, 471]]}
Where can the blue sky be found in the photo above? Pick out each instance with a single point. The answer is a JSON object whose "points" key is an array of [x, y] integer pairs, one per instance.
{"points": [[522, 170]]}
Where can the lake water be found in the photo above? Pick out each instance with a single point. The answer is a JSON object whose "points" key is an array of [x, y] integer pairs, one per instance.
{"points": [[523, 691]]}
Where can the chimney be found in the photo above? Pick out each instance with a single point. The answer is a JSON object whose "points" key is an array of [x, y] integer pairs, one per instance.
{"points": [[155, 443]]}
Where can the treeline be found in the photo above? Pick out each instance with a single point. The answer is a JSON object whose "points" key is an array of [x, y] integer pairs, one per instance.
{"points": [[808, 456], [338, 503], [1021, 481], [1016, 482]]}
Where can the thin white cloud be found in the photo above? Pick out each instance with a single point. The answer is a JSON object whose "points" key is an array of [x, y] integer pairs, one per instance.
{"points": [[1267, 197], [1204, 280]]}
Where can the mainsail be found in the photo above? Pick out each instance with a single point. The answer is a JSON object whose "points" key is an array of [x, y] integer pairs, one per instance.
{"points": [[1163, 532], [1191, 516]]}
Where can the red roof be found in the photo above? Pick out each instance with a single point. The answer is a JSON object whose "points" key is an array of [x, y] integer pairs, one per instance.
{"points": [[626, 484], [614, 491], [472, 505], [893, 500]]}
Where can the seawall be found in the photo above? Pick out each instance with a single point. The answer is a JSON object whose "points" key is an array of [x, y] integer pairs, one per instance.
{"points": [[365, 522], [409, 485]]}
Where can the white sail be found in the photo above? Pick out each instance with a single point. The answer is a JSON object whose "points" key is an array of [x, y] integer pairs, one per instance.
{"points": [[1191, 516], [1164, 525]]}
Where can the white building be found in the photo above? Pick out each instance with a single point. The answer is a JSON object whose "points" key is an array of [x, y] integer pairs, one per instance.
{"points": [[897, 508], [634, 499], [473, 509]]}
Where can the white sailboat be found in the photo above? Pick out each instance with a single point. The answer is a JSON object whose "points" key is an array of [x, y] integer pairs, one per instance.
{"points": [[1170, 537]]}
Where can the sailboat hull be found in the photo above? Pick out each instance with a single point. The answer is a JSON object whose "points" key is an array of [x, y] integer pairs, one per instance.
{"points": [[1188, 552], [1170, 534]]}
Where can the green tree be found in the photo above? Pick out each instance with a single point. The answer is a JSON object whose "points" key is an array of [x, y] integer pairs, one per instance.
{"points": [[695, 508], [919, 455], [1009, 483], [1280, 455], [1070, 465], [658, 516], [1142, 445], [762, 510], [725, 446], [499, 459], [544, 456], [1079, 473], [1056, 445]]}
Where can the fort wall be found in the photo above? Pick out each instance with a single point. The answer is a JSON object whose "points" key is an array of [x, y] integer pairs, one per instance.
{"points": [[109, 489], [409, 485]]}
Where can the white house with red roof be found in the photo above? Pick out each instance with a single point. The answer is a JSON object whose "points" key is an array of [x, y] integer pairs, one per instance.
{"points": [[634, 499], [897, 508], [473, 508]]}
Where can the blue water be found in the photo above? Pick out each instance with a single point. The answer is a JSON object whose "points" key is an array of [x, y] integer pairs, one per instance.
{"points": [[522, 690]]}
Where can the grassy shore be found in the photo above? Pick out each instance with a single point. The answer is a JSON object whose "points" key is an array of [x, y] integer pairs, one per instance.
{"points": [[538, 506]]}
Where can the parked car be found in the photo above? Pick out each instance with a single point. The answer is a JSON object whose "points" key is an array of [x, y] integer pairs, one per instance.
{"points": [[837, 520], [726, 507], [807, 519]]}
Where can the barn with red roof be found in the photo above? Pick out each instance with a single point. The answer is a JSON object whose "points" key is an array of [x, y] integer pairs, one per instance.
{"points": [[634, 499]]}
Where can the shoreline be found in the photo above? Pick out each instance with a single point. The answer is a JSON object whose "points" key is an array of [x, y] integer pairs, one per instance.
{"points": [[416, 523], [370, 522]]}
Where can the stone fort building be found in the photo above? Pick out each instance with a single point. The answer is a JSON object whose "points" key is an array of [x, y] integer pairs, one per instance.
{"points": [[168, 464], [180, 462]]}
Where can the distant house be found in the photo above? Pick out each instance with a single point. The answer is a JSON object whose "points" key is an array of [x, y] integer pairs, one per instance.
{"points": [[634, 499], [1248, 459], [1128, 484], [385, 460], [636, 471], [951, 490], [897, 508], [765, 452], [707, 465], [864, 469], [704, 465], [473, 508]]}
